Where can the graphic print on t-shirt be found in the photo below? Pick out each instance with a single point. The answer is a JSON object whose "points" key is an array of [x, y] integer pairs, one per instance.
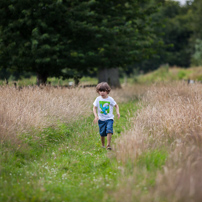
{"points": [[104, 106]]}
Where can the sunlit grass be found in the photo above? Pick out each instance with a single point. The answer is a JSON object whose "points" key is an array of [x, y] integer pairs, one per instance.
{"points": [[162, 150], [35, 108], [167, 74]]}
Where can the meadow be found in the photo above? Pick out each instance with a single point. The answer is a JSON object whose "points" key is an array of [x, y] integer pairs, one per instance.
{"points": [[164, 146], [169, 74], [50, 148], [51, 151]]}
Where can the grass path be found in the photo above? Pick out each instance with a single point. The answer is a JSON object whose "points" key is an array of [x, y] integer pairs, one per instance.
{"points": [[65, 163]]}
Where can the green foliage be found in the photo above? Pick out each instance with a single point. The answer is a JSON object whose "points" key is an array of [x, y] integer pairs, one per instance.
{"points": [[165, 73], [32, 36], [161, 74], [181, 74], [147, 166], [196, 19], [178, 33], [174, 30], [197, 56], [48, 37], [153, 159]]}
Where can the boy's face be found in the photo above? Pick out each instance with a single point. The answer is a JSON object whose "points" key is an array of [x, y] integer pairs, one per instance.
{"points": [[104, 94]]}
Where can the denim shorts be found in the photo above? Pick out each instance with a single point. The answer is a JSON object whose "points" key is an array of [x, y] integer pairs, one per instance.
{"points": [[105, 127]]}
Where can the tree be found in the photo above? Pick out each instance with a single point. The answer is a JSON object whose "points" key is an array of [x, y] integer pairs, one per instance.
{"points": [[196, 39], [174, 36], [33, 37], [56, 38], [121, 36], [197, 56], [178, 32]]}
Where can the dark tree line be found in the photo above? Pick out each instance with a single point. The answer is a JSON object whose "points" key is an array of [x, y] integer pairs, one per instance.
{"points": [[72, 38], [181, 35], [65, 38]]}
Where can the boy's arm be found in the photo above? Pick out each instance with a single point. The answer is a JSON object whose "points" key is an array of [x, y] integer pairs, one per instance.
{"points": [[117, 111], [95, 114]]}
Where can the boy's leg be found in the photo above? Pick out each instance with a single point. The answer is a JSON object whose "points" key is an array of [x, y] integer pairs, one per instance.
{"points": [[109, 132], [102, 126], [103, 140], [109, 137]]}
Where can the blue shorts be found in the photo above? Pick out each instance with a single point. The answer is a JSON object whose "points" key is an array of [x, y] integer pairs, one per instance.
{"points": [[105, 127]]}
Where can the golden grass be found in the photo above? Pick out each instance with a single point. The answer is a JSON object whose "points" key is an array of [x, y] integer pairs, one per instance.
{"points": [[171, 117], [181, 179], [35, 107], [38, 108]]}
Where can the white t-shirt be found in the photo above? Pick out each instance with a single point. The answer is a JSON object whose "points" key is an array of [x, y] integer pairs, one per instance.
{"points": [[105, 107]]}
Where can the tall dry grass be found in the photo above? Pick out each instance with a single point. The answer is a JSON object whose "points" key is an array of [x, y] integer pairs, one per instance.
{"points": [[35, 107], [181, 179], [38, 108], [171, 117]]}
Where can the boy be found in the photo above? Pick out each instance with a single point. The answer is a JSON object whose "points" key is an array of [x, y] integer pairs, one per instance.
{"points": [[104, 105]]}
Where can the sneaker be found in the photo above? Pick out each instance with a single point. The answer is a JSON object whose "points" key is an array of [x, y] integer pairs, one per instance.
{"points": [[109, 148], [103, 146]]}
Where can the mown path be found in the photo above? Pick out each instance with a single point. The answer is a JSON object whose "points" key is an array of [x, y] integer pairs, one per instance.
{"points": [[64, 163]]}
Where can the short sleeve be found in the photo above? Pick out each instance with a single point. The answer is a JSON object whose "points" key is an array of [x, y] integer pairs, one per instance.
{"points": [[95, 103], [113, 102]]}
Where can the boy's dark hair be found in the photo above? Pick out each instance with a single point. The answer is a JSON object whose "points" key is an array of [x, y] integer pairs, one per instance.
{"points": [[103, 86]]}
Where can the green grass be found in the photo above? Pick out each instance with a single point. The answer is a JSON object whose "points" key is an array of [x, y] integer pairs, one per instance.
{"points": [[148, 164], [65, 163], [166, 74]]}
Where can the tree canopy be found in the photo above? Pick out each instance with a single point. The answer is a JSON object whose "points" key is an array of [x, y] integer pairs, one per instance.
{"points": [[175, 33], [196, 39], [56, 38]]}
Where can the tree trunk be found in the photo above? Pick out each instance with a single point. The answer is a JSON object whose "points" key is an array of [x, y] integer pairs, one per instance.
{"points": [[111, 76], [41, 78], [76, 81]]}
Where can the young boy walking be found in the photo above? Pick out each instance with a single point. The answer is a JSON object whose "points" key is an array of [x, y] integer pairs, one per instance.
{"points": [[104, 104]]}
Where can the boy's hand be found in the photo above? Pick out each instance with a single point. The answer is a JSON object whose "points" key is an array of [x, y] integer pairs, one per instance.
{"points": [[118, 116], [96, 120]]}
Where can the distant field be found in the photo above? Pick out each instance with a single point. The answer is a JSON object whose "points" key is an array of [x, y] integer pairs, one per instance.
{"points": [[166, 74], [53, 81], [163, 73]]}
